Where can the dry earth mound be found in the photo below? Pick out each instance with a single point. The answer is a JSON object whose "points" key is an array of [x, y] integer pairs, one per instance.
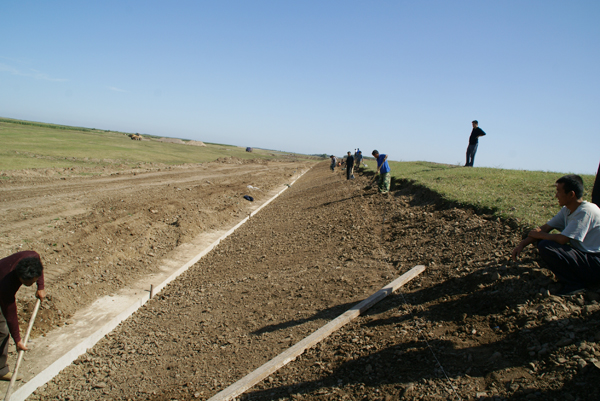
{"points": [[171, 140], [195, 143]]}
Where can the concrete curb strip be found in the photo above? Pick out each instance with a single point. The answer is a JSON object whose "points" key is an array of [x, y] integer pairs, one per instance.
{"points": [[54, 369]]}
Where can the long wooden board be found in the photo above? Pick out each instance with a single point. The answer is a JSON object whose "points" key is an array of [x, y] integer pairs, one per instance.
{"points": [[291, 353]]}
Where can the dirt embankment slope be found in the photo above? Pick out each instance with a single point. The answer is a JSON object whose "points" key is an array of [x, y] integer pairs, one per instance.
{"points": [[471, 326], [100, 232]]}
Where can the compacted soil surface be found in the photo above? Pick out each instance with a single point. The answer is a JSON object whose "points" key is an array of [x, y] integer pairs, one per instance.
{"points": [[99, 229], [472, 326]]}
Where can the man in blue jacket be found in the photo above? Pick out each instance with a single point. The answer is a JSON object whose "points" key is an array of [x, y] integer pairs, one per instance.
{"points": [[383, 169]]}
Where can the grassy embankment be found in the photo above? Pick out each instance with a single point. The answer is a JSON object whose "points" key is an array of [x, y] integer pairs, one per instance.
{"points": [[37, 145], [525, 196]]}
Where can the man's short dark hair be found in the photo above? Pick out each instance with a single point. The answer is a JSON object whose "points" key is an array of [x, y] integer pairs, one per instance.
{"points": [[476, 122], [572, 182], [375, 152], [29, 268]]}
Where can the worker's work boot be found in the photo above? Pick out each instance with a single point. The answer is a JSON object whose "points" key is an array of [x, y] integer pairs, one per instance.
{"points": [[8, 376]]}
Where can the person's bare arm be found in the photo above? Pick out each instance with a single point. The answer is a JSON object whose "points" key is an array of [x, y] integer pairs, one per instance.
{"points": [[539, 234], [542, 232]]}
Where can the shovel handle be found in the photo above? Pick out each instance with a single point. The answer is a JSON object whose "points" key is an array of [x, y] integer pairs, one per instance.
{"points": [[13, 379]]}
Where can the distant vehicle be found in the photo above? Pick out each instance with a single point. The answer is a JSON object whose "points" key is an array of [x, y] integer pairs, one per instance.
{"points": [[249, 149]]}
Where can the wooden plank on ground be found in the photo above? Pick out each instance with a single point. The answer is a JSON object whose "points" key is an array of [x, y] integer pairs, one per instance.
{"points": [[291, 353]]}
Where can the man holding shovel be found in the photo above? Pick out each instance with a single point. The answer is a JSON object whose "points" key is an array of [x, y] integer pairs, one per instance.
{"points": [[383, 170], [17, 269]]}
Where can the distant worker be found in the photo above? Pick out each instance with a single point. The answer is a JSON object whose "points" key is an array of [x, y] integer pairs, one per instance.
{"points": [[383, 169], [473, 142], [576, 265], [349, 166], [596, 189], [333, 162], [358, 159], [17, 269]]}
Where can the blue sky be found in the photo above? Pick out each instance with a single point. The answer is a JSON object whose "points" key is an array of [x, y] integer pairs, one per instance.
{"points": [[404, 77]]}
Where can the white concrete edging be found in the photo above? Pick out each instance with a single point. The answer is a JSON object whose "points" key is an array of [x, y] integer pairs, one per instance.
{"points": [[54, 369]]}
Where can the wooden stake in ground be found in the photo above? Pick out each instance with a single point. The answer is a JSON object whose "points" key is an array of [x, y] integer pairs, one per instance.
{"points": [[291, 353], [20, 357]]}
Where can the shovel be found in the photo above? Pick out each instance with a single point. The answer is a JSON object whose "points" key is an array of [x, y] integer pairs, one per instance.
{"points": [[370, 185], [21, 352]]}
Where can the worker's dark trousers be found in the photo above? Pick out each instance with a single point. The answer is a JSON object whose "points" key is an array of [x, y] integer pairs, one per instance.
{"points": [[596, 189], [471, 150], [576, 269], [4, 337]]}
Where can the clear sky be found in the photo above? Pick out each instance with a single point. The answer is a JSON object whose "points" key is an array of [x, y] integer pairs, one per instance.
{"points": [[404, 77]]}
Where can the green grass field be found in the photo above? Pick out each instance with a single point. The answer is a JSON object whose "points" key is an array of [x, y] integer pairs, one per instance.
{"points": [[525, 196], [38, 145]]}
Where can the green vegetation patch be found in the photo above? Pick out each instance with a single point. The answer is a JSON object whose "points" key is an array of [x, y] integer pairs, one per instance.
{"points": [[525, 196], [38, 145], [46, 125]]}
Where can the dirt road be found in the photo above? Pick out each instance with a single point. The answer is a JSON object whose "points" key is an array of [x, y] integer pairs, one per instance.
{"points": [[99, 231], [471, 327]]}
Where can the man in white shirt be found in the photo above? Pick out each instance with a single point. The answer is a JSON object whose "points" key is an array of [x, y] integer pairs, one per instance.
{"points": [[576, 265]]}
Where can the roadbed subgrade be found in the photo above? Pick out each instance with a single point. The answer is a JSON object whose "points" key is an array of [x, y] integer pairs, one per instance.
{"points": [[53, 351], [281, 276], [320, 248]]}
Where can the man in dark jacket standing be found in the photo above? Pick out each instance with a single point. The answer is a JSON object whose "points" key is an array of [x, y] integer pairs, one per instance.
{"points": [[473, 142], [15, 270], [349, 166]]}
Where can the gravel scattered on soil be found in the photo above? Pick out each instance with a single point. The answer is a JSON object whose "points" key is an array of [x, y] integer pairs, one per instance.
{"points": [[472, 326], [99, 229]]}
